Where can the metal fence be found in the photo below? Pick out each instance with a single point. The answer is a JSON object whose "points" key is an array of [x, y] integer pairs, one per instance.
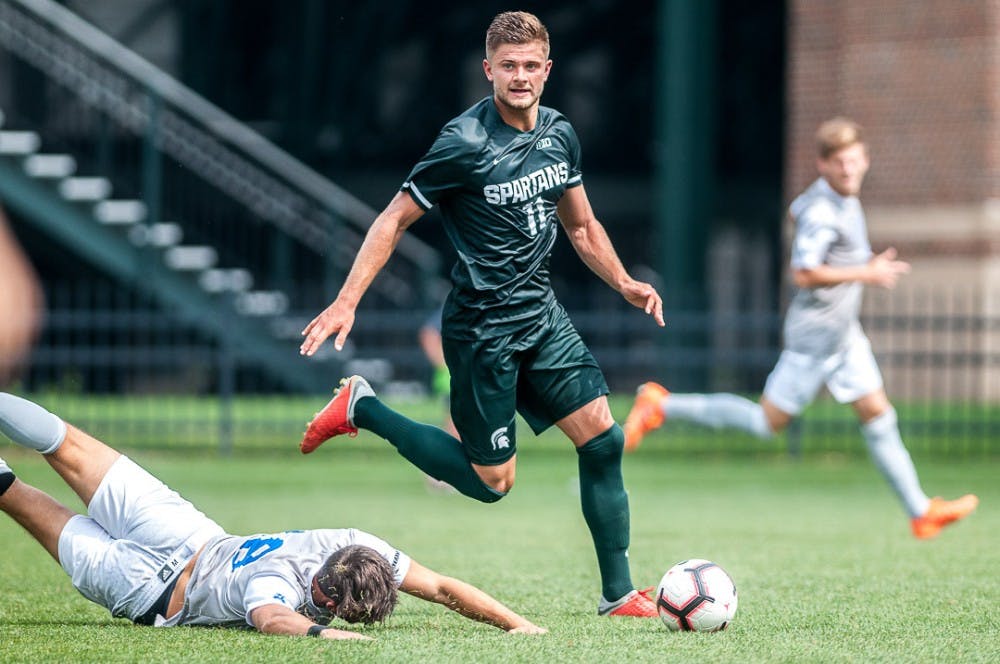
{"points": [[116, 363]]}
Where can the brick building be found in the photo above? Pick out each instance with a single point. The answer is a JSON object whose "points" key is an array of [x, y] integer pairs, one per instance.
{"points": [[923, 78]]}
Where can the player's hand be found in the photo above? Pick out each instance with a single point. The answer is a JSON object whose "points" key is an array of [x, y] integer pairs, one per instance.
{"points": [[644, 296], [342, 634], [528, 629], [336, 319], [884, 270]]}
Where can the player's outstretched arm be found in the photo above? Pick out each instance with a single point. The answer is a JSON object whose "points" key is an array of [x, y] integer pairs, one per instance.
{"points": [[380, 242], [594, 247], [279, 619], [465, 599], [882, 270]]}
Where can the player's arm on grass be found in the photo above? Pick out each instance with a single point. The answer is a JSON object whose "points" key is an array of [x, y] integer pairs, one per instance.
{"points": [[882, 270], [465, 599], [279, 619], [380, 242], [593, 245]]}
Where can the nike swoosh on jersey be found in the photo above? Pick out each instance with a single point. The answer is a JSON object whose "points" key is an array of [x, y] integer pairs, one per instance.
{"points": [[501, 158]]}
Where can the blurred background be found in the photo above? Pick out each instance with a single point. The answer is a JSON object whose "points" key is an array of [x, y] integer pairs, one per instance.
{"points": [[190, 179]]}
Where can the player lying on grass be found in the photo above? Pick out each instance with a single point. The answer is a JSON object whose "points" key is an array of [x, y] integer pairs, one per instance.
{"points": [[831, 263], [148, 555]]}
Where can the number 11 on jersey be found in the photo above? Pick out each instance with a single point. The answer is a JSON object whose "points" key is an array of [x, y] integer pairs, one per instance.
{"points": [[533, 209]]}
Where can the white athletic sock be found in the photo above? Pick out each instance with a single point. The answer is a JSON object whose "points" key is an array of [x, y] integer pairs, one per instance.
{"points": [[30, 425], [719, 411], [6, 477], [893, 460]]}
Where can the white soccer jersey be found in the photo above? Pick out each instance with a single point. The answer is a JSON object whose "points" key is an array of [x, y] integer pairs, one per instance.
{"points": [[236, 574], [830, 229]]}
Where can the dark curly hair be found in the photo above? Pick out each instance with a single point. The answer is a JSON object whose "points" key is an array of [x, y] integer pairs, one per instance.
{"points": [[361, 584]]}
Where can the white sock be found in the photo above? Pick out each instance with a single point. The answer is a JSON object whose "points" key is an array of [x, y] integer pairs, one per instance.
{"points": [[893, 460], [6, 477], [30, 425], [719, 411]]}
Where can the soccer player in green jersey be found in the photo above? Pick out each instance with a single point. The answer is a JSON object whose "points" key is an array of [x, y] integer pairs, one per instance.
{"points": [[502, 173]]}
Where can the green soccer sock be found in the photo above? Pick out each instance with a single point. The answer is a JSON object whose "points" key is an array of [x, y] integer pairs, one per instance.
{"points": [[427, 447], [605, 508]]}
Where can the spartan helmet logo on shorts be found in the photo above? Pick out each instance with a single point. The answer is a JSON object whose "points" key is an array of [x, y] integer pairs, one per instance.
{"points": [[499, 438]]}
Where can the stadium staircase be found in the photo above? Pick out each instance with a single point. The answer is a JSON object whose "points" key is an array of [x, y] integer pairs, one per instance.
{"points": [[196, 210]]}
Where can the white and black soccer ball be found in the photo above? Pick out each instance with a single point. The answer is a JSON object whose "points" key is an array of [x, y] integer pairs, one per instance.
{"points": [[696, 596]]}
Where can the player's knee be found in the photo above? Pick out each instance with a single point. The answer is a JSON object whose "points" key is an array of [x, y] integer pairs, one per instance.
{"points": [[492, 496], [499, 480], [485, 493], [496, 478], [773, 428], [502, 486], [604, 448], [771, 420]]}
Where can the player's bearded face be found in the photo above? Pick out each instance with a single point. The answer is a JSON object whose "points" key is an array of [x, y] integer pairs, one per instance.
{"points": [[518, 73], [845, 169]]}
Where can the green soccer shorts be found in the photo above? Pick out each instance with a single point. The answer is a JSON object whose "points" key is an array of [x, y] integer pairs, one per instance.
{"points": [[543, 371]]}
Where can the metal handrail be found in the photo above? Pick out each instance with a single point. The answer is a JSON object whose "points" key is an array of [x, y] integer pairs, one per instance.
{"points": [[221, 125]]}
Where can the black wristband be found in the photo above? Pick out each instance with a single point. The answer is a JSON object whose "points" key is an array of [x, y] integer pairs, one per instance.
{"points": [[315, 630], [6, 480]]}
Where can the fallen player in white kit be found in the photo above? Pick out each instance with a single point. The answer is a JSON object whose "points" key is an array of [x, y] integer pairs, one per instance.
{"points": [[148, 555]]}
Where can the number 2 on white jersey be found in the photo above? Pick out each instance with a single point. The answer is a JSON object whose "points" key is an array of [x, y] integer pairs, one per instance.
{"points": [[254, 549]]}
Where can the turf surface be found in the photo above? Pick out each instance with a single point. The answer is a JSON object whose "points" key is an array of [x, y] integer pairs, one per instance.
{"points": [[820, 551]]}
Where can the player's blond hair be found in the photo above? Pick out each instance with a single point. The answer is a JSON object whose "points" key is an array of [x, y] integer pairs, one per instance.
{"points": [[836, 134], [515, 28]]}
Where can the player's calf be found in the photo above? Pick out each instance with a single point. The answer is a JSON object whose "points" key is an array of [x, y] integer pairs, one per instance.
{"points": [[29, 425]]}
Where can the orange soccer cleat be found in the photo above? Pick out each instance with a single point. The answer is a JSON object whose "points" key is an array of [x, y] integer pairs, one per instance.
{"points": [[637, 604], [337, 416], [940, 513], [646, 414]]}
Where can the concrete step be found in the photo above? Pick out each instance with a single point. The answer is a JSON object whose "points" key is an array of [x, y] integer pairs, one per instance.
{"points": [[218, 280], [85, 188], [120, 212], [163, 234], [191, 258], [19, 142], [53, 166], [262, 303]]}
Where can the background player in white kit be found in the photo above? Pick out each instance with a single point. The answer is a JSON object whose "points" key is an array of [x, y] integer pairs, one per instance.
{"points": [[148, 555], [831, 263]]}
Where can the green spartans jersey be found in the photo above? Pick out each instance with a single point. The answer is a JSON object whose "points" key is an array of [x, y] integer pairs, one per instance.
{"points": [[497, 189]]}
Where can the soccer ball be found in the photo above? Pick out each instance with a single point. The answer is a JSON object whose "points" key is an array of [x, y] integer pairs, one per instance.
{"points": [[696, 595]]}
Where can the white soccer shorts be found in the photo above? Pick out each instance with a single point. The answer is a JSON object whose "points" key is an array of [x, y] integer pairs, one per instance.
{"points": [[139, 534], [849, 374]]}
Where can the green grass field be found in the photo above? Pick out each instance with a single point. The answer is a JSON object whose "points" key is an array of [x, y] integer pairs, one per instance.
{"points": [[273, 423], [820, 551]]}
